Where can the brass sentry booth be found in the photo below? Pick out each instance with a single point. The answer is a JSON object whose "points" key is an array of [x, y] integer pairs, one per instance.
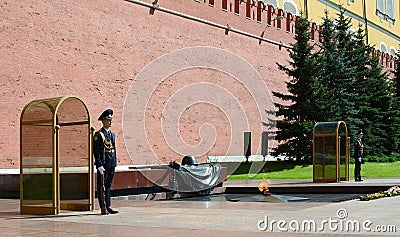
{"points": [[331, 148], [56, 156]]}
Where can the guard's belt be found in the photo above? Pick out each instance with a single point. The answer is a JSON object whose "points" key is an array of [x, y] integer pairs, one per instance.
{"points": [[109, 150]]}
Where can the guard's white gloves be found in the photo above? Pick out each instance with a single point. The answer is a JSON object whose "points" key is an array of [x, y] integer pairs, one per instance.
{"points": [[359, 159], [101, 170]]}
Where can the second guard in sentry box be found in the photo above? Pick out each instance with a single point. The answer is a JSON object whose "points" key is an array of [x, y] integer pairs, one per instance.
{"points": [[358, 155]]}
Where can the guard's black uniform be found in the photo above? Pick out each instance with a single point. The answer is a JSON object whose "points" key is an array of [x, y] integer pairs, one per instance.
{"points": [[358, 157], [105, 156]]}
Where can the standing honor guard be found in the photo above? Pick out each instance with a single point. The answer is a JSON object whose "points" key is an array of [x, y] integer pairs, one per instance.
{"points": [[105, 159], [358, 156]]}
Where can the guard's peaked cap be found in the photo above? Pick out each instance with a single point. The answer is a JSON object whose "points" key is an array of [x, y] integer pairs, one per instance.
{"points": [[107, 114]]}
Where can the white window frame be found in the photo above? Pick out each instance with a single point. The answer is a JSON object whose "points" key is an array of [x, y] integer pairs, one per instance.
{"points": [[385, 10], [383, 48], [393, 51]]}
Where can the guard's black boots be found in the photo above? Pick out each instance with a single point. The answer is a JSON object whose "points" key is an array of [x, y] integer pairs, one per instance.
{"points": [[108, 202], [111, 211]]}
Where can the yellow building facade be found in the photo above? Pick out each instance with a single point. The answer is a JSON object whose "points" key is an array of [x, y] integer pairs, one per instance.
{"points": [[379, 18]]}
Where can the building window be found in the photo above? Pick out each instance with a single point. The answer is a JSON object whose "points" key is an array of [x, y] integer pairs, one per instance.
{"points": [[273, 3], [385, 10], [393, 51], [383, 47], [380, 5], [211, 2], [390, 8], [290, 6]]}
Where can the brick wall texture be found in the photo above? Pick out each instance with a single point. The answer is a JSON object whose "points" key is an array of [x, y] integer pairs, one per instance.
{"points": [[97, 49]]}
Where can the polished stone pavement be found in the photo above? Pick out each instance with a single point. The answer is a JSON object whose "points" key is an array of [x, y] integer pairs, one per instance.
{"points": [[214, 215]]}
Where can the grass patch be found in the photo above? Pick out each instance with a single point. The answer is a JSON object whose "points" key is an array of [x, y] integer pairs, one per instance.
{"points": [[379, 170], [290, 170]]}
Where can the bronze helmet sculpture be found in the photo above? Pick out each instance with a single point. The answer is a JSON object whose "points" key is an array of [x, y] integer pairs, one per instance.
{"points": [[189, 160]]}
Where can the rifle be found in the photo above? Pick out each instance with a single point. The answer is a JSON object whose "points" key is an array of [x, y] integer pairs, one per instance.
{"points": [[102, 197]]}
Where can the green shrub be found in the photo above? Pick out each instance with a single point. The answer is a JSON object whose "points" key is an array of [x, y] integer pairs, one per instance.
{"points": [[382, 158]]}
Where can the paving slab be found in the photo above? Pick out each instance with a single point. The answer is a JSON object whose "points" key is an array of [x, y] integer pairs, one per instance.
{"points": [[223, 214], [212, 217]]}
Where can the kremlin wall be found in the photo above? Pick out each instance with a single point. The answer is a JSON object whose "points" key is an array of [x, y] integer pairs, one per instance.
{"points": [[183, 76]]}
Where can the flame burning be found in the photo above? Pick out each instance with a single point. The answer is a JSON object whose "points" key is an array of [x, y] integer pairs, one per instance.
{"points": [[263, 186]]}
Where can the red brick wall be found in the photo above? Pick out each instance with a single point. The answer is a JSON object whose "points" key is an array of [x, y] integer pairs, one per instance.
{"points": [[95, 49]]}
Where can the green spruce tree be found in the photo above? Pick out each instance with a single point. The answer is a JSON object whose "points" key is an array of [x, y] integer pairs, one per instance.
{"points": [[360, 59], [299, 109], [356, 81], [394, 132], [328, 62], [338, 71], [352, 62], [375, 109], [374, 100]]}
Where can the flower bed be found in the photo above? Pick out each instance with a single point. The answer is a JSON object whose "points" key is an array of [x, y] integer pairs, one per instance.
{"points": [[393, 191]]}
